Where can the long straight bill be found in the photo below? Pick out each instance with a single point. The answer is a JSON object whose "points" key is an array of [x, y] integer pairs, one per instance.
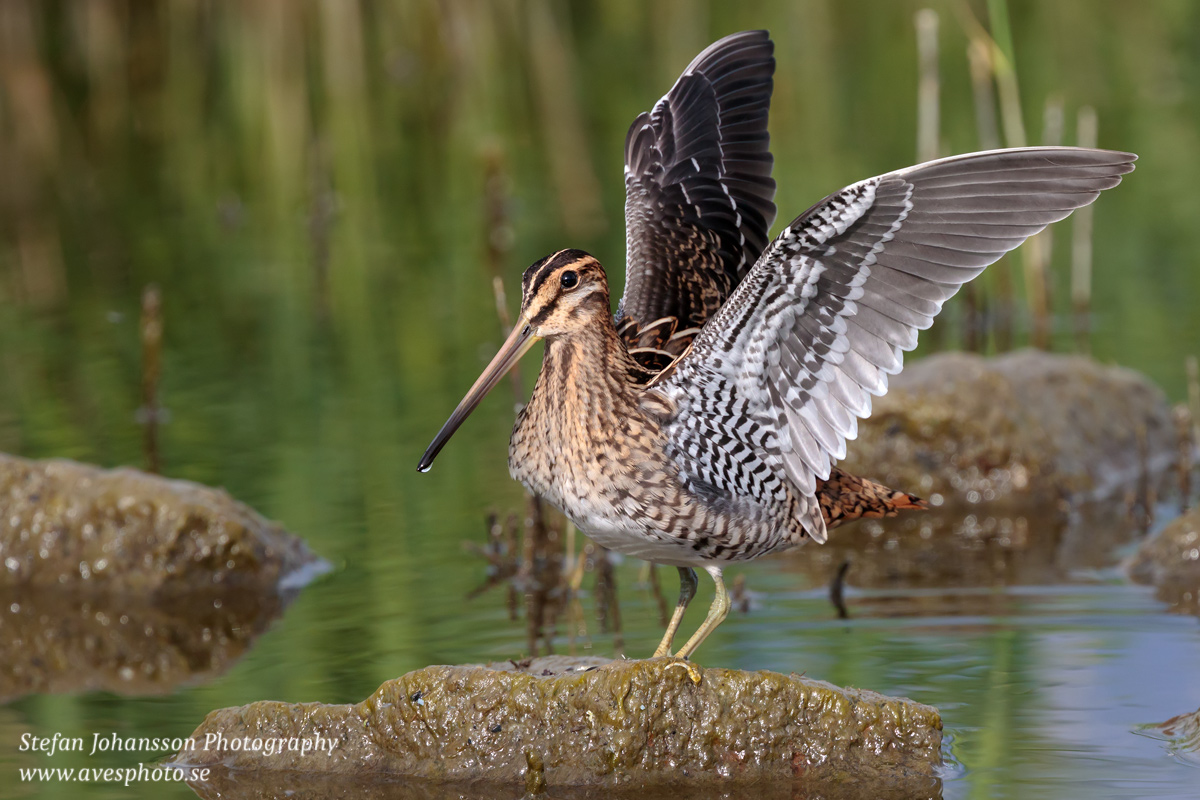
{"points": [[515, 346]]}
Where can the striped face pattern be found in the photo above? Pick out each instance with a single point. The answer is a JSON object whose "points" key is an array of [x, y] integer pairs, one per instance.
{"points": [[563, 291]]}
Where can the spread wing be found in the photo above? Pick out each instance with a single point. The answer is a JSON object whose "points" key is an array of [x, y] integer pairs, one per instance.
{"points": [[699, 197], [774, 385]]}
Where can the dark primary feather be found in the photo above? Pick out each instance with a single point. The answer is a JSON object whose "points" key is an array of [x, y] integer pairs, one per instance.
{"points": [[699, 195], [775, 383]]}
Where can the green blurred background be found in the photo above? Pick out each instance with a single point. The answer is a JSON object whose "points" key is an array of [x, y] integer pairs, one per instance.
{"points": [[316, 188]]}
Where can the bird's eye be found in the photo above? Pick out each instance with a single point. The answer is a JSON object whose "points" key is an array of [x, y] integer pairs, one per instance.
{"points": [[569, 279]]}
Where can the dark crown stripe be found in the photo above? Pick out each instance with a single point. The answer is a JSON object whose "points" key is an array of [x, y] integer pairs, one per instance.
{"points": [[540, 271]]}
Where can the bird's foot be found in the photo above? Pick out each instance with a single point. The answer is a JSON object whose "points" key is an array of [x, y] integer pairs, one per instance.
{"points": [[687, 666]]}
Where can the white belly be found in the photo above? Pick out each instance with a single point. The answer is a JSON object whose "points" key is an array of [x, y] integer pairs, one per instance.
{"points": [[645, 543]]}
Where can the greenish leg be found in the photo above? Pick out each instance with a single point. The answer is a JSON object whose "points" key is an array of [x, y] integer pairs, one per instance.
{"points": [[716, 614], [687, 590]]}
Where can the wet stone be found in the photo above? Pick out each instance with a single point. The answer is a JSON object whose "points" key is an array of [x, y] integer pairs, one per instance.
{"points": [[67, 524], [959, 427], [586, 723], [1171, 562]]}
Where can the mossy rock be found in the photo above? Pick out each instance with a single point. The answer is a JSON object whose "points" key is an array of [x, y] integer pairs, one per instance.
{"points": [[1022, 425], [563, 722], [66, 524], [1171, 562]]}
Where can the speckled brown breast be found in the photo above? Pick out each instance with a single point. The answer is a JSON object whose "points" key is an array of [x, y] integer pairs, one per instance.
{"points": [[590, 443]]}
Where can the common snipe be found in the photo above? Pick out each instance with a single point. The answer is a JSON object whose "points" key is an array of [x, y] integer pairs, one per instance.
{"points": [[702, 425]]}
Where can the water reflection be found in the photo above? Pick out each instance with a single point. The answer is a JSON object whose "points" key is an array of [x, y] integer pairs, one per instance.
{"points": [[245, 786], [68, 641], [1181, 736], [990, 544]]}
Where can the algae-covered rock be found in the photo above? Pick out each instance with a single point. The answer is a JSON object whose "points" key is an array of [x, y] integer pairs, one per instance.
{"points": [[1025, 424], [58, 641], [1038, 467], [64, 523], [1171, 561], [620, 723]]}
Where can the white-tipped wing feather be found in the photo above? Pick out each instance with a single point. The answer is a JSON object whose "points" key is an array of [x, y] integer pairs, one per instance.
{"points": [[776, 381]]}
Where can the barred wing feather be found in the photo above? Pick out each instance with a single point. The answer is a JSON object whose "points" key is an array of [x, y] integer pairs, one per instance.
{"points": [[774, 384]]}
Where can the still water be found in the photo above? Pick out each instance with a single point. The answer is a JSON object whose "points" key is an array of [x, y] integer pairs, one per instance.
{"points": [[1043, 689], [310, 191]]}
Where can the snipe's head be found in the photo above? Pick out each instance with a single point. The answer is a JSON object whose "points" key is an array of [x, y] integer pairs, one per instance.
{"points": [[562, 294]]}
